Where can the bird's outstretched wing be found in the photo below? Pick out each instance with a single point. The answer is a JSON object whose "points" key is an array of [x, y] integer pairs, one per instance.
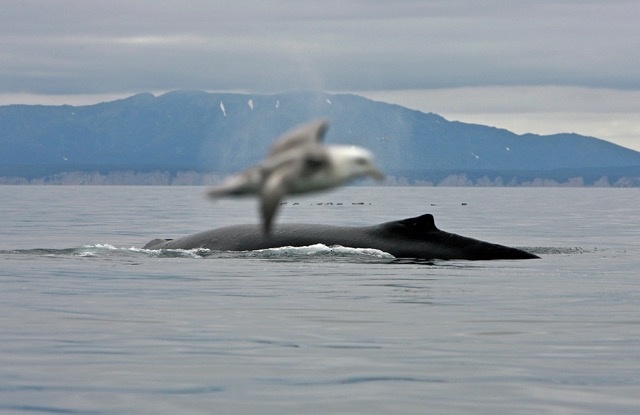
{"points": [[249, 182], [282, 181], [311, 133], [298, 155]]}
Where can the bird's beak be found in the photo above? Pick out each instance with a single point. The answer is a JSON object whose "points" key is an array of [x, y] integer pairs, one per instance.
{"points": [[375, 173]]}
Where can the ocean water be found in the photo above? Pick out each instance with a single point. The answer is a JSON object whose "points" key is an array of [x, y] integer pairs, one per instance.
{"points": [[90, 323]]}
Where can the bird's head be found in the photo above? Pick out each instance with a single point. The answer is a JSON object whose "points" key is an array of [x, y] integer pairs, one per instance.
{"points": [[351, 162]]}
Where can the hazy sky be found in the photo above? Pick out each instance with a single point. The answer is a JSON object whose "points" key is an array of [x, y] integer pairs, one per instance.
{"points": [[530, 66]]}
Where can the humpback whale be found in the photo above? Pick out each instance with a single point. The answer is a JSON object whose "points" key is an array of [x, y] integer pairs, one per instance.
{"points": [[416, 238]]}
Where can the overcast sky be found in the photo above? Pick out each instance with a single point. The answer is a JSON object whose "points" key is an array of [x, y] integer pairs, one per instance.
{"points": [[538, 66]]}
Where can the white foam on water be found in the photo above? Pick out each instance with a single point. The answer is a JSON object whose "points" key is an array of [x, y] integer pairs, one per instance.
{"points": [[324, 250]]}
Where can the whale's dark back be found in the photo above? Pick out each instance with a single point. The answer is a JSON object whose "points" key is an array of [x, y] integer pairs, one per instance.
{"points": [[419, 237], [407, 238]]}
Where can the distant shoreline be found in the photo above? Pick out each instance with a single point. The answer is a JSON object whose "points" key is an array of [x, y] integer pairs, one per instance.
{"points": [[194, 178]]}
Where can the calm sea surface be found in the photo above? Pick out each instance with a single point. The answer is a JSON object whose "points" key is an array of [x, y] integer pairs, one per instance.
{"points": [[92, 324]]}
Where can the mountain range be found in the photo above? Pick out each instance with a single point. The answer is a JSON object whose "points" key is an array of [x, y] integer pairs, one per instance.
{"points": [[225, 132]]}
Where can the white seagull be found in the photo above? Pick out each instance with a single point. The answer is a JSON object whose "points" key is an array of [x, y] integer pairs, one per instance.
{"points": [[299, 163]]}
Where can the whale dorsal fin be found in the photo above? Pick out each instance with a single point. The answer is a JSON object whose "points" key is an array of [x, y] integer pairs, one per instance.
{"points": [[424, 223]]}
